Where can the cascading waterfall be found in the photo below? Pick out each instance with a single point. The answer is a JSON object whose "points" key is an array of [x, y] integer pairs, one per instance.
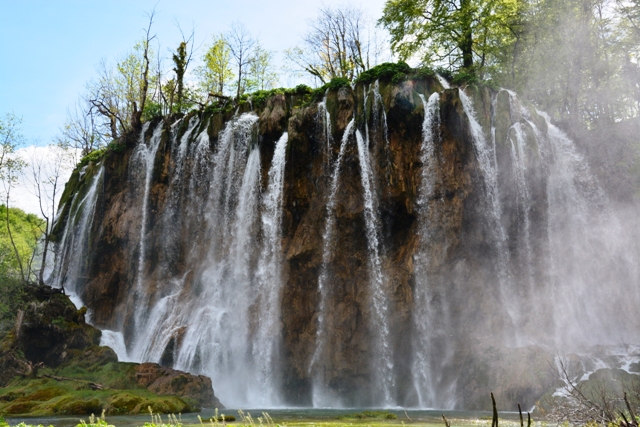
{"points": [[486, 156], [269, 272], [523, 200], [212, 291], [384, 362], [324, 119], [73, 246], [228, 332], [322, 396], [589, 250], [430, 321]]}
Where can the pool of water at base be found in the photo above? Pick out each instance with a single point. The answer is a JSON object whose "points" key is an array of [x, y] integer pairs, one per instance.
{"points": [[296, 416]]}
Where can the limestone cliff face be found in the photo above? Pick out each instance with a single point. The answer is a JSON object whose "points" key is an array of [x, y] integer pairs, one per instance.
{"points": [[390, 265]]}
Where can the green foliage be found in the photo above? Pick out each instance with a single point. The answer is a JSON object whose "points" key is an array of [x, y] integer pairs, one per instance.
{"points": [[261, 74], [48, 397], [216, 74], [464, 77], [337, 83], [94, 157], [95, 422], [366, 415], [459, 32], [180, 62], [152, 109], [26, 230], [389, 71], [302, 89]]}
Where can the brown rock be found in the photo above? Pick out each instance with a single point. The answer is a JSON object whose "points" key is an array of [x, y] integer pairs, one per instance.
{"points": [[167, 381]]}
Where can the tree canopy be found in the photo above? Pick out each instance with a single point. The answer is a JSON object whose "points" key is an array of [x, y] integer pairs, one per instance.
{"points": [[463, 34]]}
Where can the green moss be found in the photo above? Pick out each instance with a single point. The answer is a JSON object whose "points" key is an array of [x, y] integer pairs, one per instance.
{"points": [[366, 415], [93, 157], [389, 71]]}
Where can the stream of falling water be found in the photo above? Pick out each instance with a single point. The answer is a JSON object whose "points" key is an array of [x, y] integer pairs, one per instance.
{"points": [[430, 320], [269, 274], [486, 155], [75, 239], [321, 396], [384, 358]]}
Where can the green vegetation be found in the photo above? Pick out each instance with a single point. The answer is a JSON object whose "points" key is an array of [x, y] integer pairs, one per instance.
{"points": [[371, 415], [50, 364], [48, 396], [394, 72], [26, 232]]}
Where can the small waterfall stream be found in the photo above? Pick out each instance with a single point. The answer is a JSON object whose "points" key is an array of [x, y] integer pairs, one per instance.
{"points": [[321, 396], [384, 362], [428, 319], [486, 155], [73, 246]]}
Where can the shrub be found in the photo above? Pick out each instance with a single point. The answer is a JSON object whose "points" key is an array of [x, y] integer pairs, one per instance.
{"points": [[395, 72]]}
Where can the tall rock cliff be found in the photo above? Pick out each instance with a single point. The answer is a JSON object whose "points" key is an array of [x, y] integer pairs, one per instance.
{"points": [[396, 243]]}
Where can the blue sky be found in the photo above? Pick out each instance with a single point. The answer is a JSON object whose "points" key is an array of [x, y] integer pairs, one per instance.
{"points": [[50, 49]]}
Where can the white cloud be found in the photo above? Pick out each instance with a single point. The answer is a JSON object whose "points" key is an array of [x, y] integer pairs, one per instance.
{"points": [[47, 162]]}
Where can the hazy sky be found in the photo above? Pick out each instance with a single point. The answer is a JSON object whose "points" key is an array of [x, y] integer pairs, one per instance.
{"points": [[50, 49]]}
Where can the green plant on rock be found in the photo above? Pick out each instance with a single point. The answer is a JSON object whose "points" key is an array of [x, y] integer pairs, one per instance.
{"points": [[389, 71]]}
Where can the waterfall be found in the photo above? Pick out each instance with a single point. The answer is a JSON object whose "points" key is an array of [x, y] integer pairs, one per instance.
{"points": [[352, 276], [591, 253], [146, 155], [322, 396], [431, 321], [71, 254], [523, 201], [231, 288], [486, 155], [325, 118], [384, 361], [269, 272]]}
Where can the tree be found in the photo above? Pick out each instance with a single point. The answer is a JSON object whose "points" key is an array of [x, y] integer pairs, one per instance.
{"points": [[241, 46], [261, 75], [120, 93], [456, 33], [81, 128], [215, 74], [10, 166], [339, 44], [180, 61], [44, 171]]}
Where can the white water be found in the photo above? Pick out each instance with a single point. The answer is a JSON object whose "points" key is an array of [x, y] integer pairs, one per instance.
{"points": [[322, 397], [384, 361], [71, 252], [324, 119], [115, 340], [430, 321], [269, 274], [486, 156], [146, 155]]}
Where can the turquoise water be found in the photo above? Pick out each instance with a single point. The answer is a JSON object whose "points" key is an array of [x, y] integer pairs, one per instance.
{"points": [[283, 416]]}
